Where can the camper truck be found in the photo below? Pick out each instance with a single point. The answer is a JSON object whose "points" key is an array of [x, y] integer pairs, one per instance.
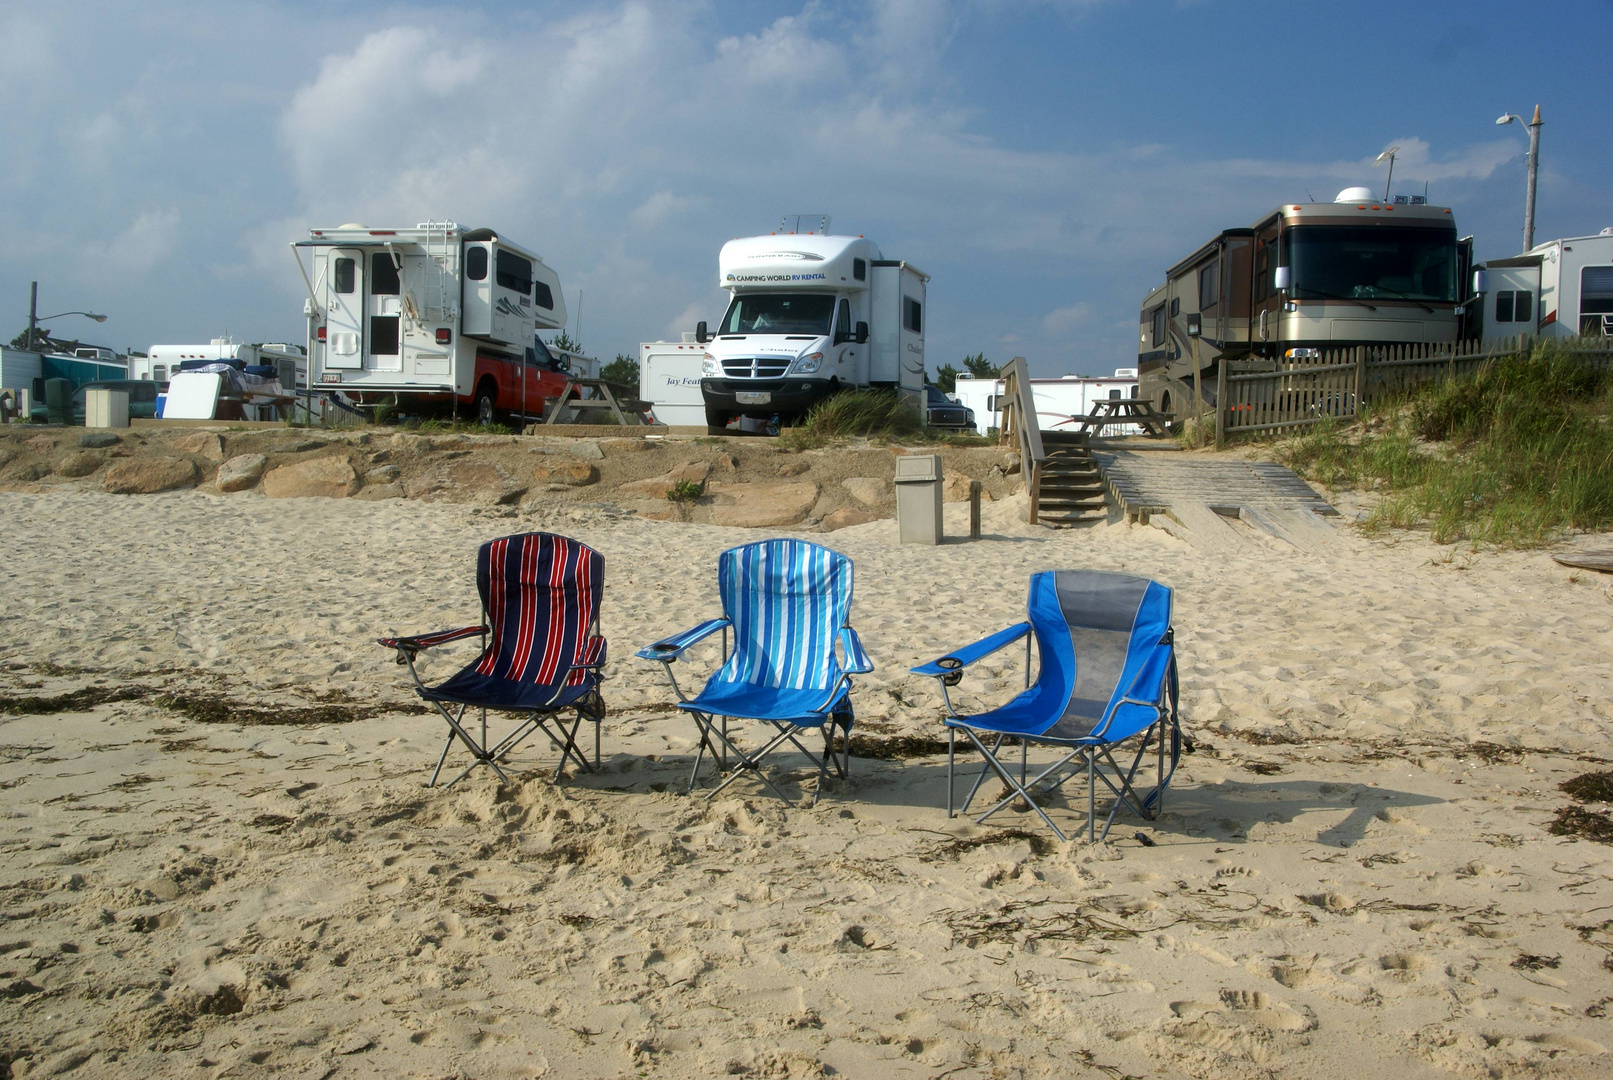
{"points": [[1559, 289], [1305, 278], [161, 362], [809, 314], [432, 314]]}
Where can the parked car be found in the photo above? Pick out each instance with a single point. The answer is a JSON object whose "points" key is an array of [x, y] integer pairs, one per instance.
{"points": [[942, 412], [142, 399]]}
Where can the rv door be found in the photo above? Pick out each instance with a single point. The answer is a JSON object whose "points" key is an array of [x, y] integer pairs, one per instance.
{"points": [[384, 342], [344, 309]]}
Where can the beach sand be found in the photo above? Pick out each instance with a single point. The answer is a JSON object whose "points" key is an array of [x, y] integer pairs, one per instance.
{"points": [[1353, 874]]}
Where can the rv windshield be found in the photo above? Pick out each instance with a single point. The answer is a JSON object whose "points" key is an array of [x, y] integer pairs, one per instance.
{"points": [[1371, 262], [778, 313]]}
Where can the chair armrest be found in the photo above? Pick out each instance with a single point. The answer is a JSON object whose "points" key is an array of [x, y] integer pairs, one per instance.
{"points": [[414, 643], [958, 659], [857, 662], [670, 648]]}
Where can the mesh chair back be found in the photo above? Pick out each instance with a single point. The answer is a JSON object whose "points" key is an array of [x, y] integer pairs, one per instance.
{"points": [[1101, 637], [786, 600], [540, 594]]}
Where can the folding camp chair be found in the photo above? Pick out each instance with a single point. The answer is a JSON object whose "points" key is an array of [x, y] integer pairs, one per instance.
{"points": [[541, 651], [787, 603], [1107, 674]]}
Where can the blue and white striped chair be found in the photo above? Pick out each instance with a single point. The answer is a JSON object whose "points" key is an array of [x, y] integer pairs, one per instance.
{"points": [[1107, 675], [787, 604]]}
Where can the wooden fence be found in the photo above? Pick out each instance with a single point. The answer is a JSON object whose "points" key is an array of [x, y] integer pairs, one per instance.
{"points": [[1270, 395]]}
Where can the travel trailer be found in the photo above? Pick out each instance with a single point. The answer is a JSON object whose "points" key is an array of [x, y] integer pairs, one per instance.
{"points": [[1559, 289], [22, 369], [669, 379], [1060, 402], [161, 362], [1305, 278], [435, 313], [809, 314]]}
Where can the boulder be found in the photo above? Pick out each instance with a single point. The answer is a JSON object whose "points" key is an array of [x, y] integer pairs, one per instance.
{"points": [[847, 517], [760, 506], [98, 440], [23, 471], [656, 487], [328, 477], [78, 463], [42, 444], [7, 455], [793, 468], [618, 447], [582, 448], [240, 472], [955, 488], [205, 444], [385, 474], [409, 442], [868, 490], [467, 481], [659, 510], [569, 473], [146, 476]]}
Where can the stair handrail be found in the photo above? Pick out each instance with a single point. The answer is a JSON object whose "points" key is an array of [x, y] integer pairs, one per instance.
{"points": [[1019, 413]]}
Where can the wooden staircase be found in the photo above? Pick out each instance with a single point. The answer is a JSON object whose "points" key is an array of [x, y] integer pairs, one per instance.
{"points": [[1061, 475], [1066, 485]]}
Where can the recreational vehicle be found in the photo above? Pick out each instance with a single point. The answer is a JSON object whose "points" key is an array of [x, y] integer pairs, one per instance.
{"points": [[1304, 278], [809, 314], [1060, 402], [669, 379], [1559, 289], [435, 313], [161, 362]]}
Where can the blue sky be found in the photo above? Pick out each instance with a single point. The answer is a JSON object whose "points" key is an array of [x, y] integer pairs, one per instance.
{"points": [[1043, 161]]}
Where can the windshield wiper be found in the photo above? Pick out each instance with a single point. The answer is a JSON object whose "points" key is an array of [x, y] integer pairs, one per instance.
{"points": [[1334, 296], [1403, 296]]}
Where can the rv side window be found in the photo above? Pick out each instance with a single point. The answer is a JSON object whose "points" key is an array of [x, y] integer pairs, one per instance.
{"points": [[476, 263], [1596, 290], [344, 275], [1503, 306], [514, 272], [384, 275], [1157, 317], [912, 315], [1523, 306], [1114, 395], [1209, 285], [1176, 306], [159, 372], [843, 322], [545, 296], [859, 269]]}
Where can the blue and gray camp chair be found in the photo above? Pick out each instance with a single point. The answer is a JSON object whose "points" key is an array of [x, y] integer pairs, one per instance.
{"points": [[1107, 675], [787, 603]]}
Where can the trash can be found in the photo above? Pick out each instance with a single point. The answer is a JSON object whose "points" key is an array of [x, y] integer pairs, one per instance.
{"points": [[106, 408], [918, 498]]}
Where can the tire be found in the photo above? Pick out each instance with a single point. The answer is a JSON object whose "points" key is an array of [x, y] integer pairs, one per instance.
{"points": [[716, 421], [486, 410]]}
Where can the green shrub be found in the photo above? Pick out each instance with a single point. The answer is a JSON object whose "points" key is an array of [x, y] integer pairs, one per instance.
{"points": [[686, 491]]}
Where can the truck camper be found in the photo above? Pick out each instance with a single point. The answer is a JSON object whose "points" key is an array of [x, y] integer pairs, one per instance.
{"points": [[1561, 288], [1305, 278], [809, 314], [431, 314]]}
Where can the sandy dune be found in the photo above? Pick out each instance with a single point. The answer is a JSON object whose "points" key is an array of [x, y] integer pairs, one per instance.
{"points": [[1353, 875]]}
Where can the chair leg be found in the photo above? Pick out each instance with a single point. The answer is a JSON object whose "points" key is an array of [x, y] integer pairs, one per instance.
{"points": [[984, 769], [1008, 778], [952, 752]]}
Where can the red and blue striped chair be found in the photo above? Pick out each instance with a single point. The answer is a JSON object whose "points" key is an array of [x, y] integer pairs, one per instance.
{"points": [[541, 651]]}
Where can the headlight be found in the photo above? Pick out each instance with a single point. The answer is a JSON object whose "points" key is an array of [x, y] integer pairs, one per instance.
{"points": [[709, 366], [807, 364], [969, 415]]}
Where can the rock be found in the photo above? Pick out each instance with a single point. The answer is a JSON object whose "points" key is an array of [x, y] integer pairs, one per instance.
{"points": [[847, 517], [205, 444], [79, 463], [327, 477], [42, 444], [380, 457], [867, 490], [240, 472], [1010, 464], [570, 473], [300, 446], [374, 492], [588, 451], [659, 510], [758, 506], [98, 440], [656, 487], [386, 474], [7, 455], [467, 482], [409, 442], [955, 488], [146, 476], [617, 447], [23, 471], [727, 461], [793, 468]]}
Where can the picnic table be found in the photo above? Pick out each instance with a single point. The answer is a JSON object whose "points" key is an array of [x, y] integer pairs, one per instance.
{"points": [[626, 409], [1114, 412]]}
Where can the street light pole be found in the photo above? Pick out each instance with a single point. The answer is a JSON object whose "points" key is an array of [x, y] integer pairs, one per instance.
{"points": [[33, 312], [1534, 171]]}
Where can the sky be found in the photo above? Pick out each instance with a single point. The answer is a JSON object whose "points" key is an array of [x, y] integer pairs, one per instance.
{"points": [[1043, 160]]}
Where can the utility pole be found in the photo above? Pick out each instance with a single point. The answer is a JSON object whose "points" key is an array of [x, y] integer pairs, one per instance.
{"points": [[33, 313], [1534, 169]]}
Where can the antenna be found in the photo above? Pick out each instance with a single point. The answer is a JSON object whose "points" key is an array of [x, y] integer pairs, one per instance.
{"points": [[804, 223]]}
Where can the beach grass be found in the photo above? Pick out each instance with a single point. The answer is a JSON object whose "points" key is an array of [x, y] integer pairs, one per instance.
{"points": [[1514, 455], [872, 414]]}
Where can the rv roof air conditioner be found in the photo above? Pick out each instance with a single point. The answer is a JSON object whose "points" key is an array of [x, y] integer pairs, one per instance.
{"points": [[1354, 194]]}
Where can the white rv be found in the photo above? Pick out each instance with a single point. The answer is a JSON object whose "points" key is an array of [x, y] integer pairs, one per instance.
{"points": [[1060, 403], [161, 362], [435, 313], [809, 314], [669, 379], [1559, 289]]}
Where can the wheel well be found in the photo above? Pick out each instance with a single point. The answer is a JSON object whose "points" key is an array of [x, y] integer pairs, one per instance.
{"points": [[489, 384]]}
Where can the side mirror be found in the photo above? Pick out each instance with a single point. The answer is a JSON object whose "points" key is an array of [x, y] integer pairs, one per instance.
{"points": [[1195, 324], [1481, 282], [1282, 278], [700, 334], [862, 333]]}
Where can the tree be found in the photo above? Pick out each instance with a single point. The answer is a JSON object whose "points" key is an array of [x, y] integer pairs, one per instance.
{"points": [[946, 377], [981, 368], [565, 341], [623, 369]]}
